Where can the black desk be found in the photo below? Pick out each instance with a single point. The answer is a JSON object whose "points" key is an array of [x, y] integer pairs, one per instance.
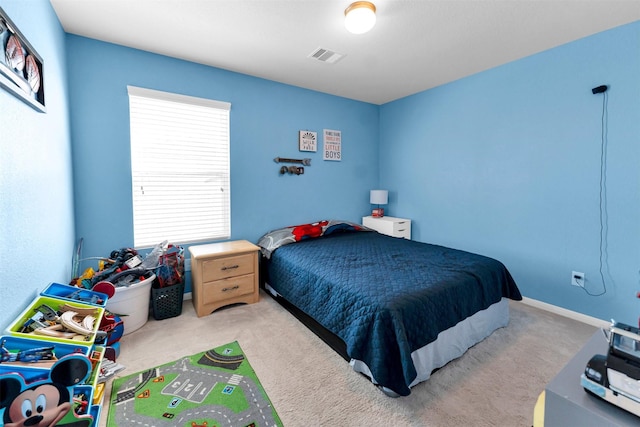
{"points": [[566, 402]]}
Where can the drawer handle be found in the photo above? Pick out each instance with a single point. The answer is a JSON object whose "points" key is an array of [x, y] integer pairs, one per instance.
{"points": [[231, 267], [233, 288], [401, 222], [401, 229]]}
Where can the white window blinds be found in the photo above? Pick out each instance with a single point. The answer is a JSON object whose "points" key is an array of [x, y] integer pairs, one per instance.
{"points": [[180, 168]]}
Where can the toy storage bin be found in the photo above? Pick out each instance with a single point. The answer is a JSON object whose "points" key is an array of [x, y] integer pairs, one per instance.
{"points": [[96, 356], [131, 303], [166, 302], [56, 304], [96, 410], [32, 371], [60, 291], [81, 408]]}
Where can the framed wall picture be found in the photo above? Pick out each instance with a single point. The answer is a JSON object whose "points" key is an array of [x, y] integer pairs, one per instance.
{"points": [[332, 145], [21, 68], [308, 141]]}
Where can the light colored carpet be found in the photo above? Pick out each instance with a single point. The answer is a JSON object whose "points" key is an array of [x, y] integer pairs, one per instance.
{"points": [[496, 383]]}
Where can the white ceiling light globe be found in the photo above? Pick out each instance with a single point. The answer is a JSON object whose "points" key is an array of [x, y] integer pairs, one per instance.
{"points": [[360, 17]]}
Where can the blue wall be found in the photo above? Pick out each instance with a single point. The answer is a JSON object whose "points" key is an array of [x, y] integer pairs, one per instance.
{"points": [[265, 120], [504, 163], [36, 191], [507, 163]]}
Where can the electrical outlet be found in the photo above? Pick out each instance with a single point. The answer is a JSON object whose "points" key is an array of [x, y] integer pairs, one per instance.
{"points": [[187, 264], [577, 279]]}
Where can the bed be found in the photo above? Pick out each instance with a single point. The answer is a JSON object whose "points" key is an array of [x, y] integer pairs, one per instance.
{"points": [[396, 309]]}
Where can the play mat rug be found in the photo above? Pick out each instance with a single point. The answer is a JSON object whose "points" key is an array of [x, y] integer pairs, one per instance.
{"points": [[213, 388]]}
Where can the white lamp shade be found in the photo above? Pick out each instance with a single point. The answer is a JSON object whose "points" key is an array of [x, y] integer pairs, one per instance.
{"points": [[360, 17], [379, 197]]}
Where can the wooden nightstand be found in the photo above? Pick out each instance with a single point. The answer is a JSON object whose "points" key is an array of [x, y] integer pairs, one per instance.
{"points": [[223, 273], [391, 226]]}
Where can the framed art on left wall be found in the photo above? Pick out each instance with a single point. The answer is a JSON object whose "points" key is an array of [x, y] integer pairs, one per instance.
{"points": [[21, 68]]}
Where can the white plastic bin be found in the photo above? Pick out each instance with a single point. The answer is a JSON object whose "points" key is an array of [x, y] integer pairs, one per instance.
{"points": [[132, 304]]}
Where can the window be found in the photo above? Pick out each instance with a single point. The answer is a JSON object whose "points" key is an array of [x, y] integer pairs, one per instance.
{"points": [[179, 168]]}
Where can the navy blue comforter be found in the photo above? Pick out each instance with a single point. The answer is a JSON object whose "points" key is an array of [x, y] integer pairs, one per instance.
{"points": [[386, 297]]}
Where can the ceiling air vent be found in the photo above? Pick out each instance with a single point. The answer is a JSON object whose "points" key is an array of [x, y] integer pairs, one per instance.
{"points": [[325, 55]]}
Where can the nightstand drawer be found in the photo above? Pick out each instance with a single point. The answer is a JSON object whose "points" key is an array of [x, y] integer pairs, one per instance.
{"points": [[221, 290], [220, 268], [402, 229]]}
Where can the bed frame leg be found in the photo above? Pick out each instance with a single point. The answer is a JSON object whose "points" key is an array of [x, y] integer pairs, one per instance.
{"points": [[388, 391]]}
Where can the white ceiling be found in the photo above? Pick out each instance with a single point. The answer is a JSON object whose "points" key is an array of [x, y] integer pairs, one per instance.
{"points": [[415, 45]]}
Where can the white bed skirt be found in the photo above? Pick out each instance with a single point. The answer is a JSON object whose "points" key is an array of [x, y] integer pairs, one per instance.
{"points": [[450, 344]]}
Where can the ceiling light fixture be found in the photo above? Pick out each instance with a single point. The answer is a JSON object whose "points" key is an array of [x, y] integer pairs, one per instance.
{"points": [[360, 17]]}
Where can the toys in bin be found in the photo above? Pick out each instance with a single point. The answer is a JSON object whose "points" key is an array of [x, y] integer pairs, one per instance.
{"points": [[167, 291], [81, 404], [125, 267], [28, 355], [66, 322], [170, 269], [33, 357], [122, 268], [113, 328]]}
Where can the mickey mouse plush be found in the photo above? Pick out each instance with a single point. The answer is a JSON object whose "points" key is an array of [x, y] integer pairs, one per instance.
{"points": [[43, 403]]}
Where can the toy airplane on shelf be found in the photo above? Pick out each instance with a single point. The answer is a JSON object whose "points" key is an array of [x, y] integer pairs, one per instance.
{"points": [[615, 377]]}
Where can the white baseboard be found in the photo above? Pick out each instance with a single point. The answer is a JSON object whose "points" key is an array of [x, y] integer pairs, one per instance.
{"points": [[593, 321]]}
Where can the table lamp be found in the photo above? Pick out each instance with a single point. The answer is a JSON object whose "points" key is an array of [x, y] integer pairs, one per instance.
{"points": [[378, 197]]}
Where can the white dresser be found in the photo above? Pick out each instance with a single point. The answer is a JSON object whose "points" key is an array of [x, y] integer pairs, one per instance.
{"points": [[389, 225]]}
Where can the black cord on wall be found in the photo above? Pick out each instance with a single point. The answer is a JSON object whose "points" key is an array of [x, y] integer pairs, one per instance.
{"points": [[604, 216]]}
